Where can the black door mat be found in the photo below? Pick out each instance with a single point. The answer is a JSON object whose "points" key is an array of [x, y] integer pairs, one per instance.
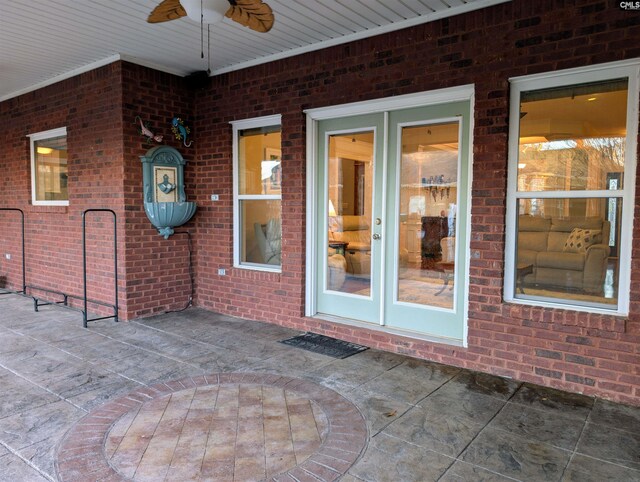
{"points": [[325, 345]]}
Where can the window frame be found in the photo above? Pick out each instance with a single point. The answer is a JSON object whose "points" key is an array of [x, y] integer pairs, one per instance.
{"points": [[38, 136], [256, 122], [565, 78]]}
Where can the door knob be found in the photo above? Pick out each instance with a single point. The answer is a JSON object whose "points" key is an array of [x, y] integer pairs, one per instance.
{"points": [[376, 236]]}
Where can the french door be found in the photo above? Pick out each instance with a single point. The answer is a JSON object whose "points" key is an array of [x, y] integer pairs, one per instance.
{"points": [[350, 231], [391, 218]]}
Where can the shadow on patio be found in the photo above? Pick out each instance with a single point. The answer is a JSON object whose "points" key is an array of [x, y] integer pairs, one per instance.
{"points": [[92, 404]]}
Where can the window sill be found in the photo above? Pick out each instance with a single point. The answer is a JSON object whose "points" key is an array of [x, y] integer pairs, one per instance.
{"points": [[258, 267], [49, 208]]}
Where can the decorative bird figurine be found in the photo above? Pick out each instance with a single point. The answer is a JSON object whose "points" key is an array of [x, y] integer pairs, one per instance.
{"points": [[144, 130], [180, 130]]}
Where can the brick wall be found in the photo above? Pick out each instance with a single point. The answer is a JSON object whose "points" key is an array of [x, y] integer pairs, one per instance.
{"points": [[98, 108], [90, 107], [594, 354], [157, 270]]}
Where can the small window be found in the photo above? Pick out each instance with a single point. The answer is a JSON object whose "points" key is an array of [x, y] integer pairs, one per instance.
{"points": [[257, 193], [572, 157], [49, 171]]}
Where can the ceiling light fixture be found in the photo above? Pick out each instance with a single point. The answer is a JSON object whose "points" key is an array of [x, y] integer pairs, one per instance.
{"points": [[212, 11], [254, 14], [44, 150]]}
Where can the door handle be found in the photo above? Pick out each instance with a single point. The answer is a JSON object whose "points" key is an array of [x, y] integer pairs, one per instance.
{"points": [[376, 236]]}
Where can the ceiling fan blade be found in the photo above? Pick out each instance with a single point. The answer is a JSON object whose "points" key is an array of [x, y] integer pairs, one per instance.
{"points": [[167, 10], [254, 14]]}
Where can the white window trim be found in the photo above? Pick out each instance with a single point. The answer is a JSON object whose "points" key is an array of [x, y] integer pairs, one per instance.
{"points": [[602, 72], [239, 125], [38, 136]]}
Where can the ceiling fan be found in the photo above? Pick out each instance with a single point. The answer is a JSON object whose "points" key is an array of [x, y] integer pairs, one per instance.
{"points": [[254, 14]]}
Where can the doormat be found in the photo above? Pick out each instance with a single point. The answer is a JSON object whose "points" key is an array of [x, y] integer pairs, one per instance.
{"points": [[324, 345]]}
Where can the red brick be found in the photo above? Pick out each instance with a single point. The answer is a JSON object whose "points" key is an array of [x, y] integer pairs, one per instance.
{"points": [[98, 109]]}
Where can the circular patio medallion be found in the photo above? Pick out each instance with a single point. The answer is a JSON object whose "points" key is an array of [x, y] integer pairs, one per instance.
{"points": [[227, 426]]}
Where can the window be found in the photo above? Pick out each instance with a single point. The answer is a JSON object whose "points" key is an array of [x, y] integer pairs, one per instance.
{"points": [[570, 201], [49, 168], [257, 174]]}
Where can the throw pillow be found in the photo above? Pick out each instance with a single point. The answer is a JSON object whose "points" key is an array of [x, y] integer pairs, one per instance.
{"points": [[580, 239]]}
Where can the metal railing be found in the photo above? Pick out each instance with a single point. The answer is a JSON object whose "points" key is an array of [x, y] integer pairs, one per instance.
{"points": [[4, 291], [64, 303]]}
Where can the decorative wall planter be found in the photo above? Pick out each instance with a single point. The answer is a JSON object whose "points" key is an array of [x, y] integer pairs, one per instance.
{"points": [[167, 215], [165, 201]]}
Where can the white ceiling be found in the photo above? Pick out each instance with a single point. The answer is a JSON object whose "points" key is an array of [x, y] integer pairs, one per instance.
{"points": [[43, 41]]}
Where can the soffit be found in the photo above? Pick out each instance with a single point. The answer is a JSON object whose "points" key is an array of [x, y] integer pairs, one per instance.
{"points": [[43, 41]]}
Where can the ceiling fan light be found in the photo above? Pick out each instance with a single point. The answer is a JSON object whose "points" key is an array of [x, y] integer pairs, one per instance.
{"points": [[212, 10]]}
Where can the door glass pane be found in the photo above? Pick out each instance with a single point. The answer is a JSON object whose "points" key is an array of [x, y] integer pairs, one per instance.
{"points": [[427, 214], [564, 250], [349, 212]]}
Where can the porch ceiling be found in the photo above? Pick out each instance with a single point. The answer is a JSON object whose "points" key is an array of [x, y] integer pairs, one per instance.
{"points": [[43, 41]]}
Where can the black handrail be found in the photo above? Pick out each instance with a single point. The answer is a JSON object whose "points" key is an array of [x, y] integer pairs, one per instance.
{"points": [[84, 265], [24, 271]]}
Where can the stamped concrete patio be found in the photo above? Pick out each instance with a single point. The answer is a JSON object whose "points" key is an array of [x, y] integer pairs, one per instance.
{"points": [[201, 396]]}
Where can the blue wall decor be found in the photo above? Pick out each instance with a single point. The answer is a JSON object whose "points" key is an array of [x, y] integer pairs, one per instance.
{"points": [[180, 130], [165, 201]]}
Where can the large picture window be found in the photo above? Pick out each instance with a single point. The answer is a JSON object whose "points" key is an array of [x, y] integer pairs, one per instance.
{"points": [[49, 168], [572, 160], [257, 193]]}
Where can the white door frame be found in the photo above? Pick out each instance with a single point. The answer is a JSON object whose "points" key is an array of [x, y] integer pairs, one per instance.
{"points": [[421, 99]]}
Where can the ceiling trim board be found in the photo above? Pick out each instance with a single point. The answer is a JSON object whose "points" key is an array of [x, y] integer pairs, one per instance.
{"points": [[411, 22]]}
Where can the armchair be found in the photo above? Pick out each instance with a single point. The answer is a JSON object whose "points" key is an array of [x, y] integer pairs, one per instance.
{"points": [[355, 231], [269, 239]]}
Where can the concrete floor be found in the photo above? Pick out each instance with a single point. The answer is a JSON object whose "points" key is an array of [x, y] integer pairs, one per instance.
{"points": [[425, 421]]}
